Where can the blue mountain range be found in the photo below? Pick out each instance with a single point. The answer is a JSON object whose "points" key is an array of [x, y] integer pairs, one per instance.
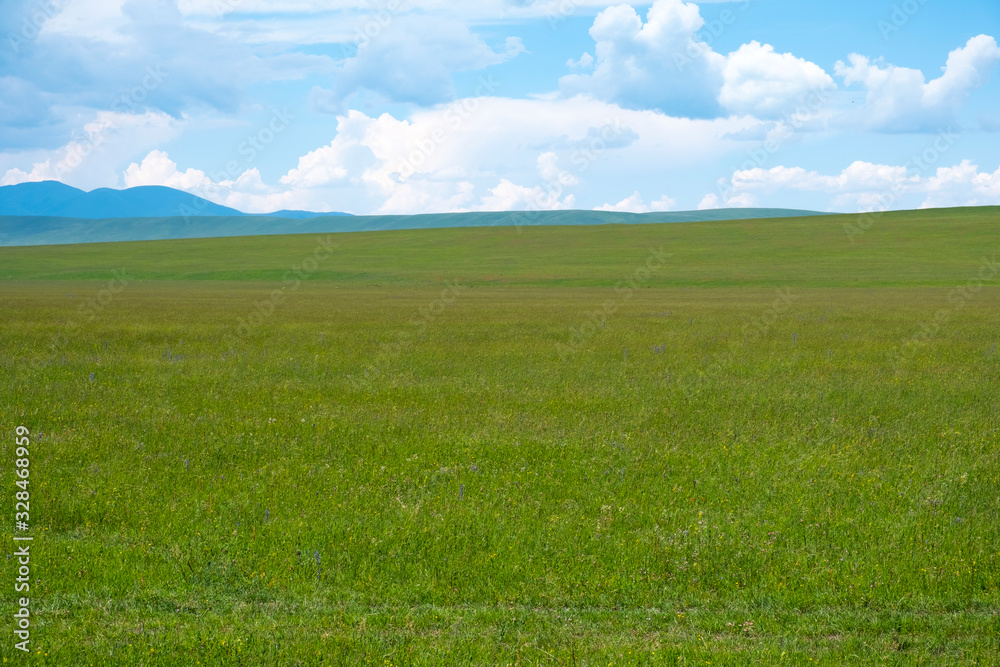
{"points": [[49, 213], [55, 199]]}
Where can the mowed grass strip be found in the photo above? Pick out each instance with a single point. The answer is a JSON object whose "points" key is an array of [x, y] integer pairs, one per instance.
{"points": [[365, 477]]}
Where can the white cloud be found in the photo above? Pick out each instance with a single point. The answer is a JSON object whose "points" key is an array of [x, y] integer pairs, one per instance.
{"points": [[635, 204], [737, 200], [91, 158], [657, 64], [488, 11], [507, 196], [140, 55], [662, 64], [158, 169], [861, 185], [962, 185], [742, 200], [709, 201], [900, 98], [491, 152], [859, 176], [412, 59], [967, 68], [549, 170], [247, 192], [865, 186], [586, 61], [40, 171], [96, 19], [765, 84]]}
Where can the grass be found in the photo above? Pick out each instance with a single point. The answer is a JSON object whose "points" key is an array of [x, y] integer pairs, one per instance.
{"points": [[385, 475], [51, 230], [935, 247]]}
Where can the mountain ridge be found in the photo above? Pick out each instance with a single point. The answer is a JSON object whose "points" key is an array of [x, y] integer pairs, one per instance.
{"points": [[56, 199], [52, 213]]}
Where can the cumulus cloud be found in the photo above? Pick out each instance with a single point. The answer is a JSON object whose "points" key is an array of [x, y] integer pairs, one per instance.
{"points": [[487, 153], [473, 154], [247, 192], [412, 59], [134, 56], [962, 185], [158, 169], [657, 64], [866, 186], [858, 176], [635, 204], [661, 64], [901, 99], [507, 196], [479, 11], [732, 200], [586, 61], [759, 82], [91, 158]]}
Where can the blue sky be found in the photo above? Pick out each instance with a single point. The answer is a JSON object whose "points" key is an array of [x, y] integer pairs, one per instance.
{"points": [[417, 106]]}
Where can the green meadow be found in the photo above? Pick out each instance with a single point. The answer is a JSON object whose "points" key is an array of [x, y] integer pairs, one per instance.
{"points": [[725, 443]]}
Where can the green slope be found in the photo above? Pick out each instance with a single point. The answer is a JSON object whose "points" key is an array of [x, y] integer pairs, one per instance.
{"points": [[25, 230], [935, 247], [505, 475]]}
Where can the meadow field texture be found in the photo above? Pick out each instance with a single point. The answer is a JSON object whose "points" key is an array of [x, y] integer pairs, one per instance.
{"points": [[725, 443]]}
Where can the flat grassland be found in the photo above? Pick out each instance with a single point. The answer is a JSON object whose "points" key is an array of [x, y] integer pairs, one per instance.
{"points": [[722, 443]]}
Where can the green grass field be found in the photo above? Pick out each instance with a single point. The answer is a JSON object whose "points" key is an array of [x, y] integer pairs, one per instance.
{"points": [[492, 447]]}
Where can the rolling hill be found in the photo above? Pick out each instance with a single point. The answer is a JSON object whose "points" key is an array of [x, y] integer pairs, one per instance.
{"points": [[24, 230], [937, 247]]}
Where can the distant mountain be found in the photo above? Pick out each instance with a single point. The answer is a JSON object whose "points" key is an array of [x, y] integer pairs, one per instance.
{"points": [[37, 198], [51, 198], [55, 199], [34, 230], [299, 215], [50, 212]]}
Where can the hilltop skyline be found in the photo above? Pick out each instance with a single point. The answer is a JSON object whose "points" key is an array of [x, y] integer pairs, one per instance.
{"points": [[416, 107]]}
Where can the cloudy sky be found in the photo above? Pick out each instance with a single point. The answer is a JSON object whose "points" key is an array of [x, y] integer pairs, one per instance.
{"points": [[418, 106]]}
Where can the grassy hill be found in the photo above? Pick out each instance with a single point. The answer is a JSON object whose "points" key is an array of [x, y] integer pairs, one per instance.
{"points": [[934, 247], [775, 446], [27, 230]]}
